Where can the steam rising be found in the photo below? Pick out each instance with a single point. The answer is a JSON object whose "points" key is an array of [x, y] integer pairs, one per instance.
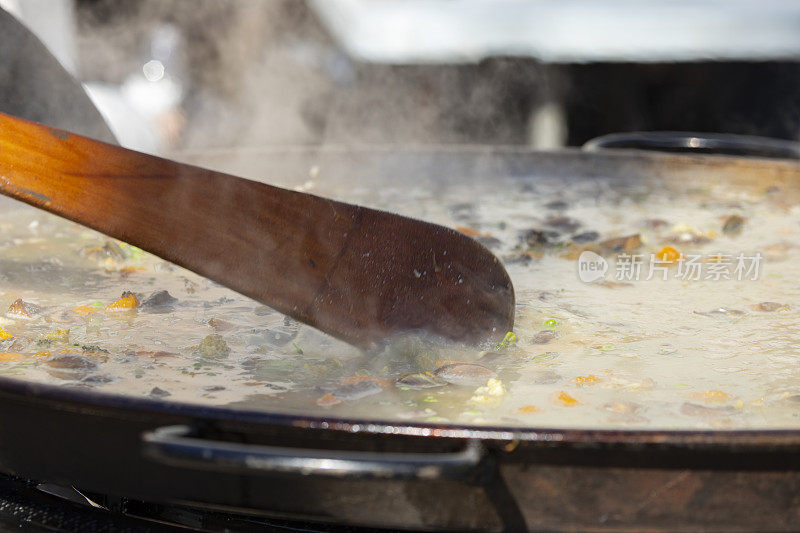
{"points": [[267, 72], [262, 73]]}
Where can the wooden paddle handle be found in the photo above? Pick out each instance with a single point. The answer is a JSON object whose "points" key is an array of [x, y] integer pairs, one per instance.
{"points": [[356, 273]]}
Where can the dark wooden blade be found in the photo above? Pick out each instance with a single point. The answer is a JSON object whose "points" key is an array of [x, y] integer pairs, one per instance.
{"points": [[356, 273]]}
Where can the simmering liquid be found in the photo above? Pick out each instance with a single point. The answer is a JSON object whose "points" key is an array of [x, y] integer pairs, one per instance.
{"points": [[636, 308]]}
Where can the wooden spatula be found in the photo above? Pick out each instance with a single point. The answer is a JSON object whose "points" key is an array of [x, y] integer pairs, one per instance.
{"points": [[359, 274]]}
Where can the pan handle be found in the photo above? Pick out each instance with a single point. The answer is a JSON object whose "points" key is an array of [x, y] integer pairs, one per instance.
{"points": [[698, 143], [177, 446]]}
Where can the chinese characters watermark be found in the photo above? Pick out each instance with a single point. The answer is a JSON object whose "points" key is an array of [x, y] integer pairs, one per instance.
{"points": [[689, 267]]}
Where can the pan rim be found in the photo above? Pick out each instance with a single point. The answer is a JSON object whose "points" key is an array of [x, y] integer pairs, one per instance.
{"points": [[65, 398]]}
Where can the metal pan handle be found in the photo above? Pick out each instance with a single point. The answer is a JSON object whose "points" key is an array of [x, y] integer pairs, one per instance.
{"points": [[697, 143], [177, 446]]}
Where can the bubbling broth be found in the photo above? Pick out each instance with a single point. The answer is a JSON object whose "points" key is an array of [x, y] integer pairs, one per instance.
{"points": [[637, 307]]}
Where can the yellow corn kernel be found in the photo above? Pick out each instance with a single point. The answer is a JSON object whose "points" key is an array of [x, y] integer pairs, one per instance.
{"points": [[712, 396], [566, 400], [581, 381], [669, 254], [84, 310], [126, 302]]}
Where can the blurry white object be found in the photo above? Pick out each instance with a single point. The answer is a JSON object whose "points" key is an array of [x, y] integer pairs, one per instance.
{"points": [[152, 98], [465, 31], [136, 109], [126, 122], [156, 92], [547, 128], [157, 89]]}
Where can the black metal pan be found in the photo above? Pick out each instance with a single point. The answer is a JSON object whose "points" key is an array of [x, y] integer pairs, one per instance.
{"points": [[410, 475]]}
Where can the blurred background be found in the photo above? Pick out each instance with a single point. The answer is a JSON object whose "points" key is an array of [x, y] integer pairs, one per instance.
{"points": [[171, 76]]}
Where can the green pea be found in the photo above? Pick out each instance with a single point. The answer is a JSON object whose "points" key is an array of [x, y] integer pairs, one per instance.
{"points": [[509, 340]]}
